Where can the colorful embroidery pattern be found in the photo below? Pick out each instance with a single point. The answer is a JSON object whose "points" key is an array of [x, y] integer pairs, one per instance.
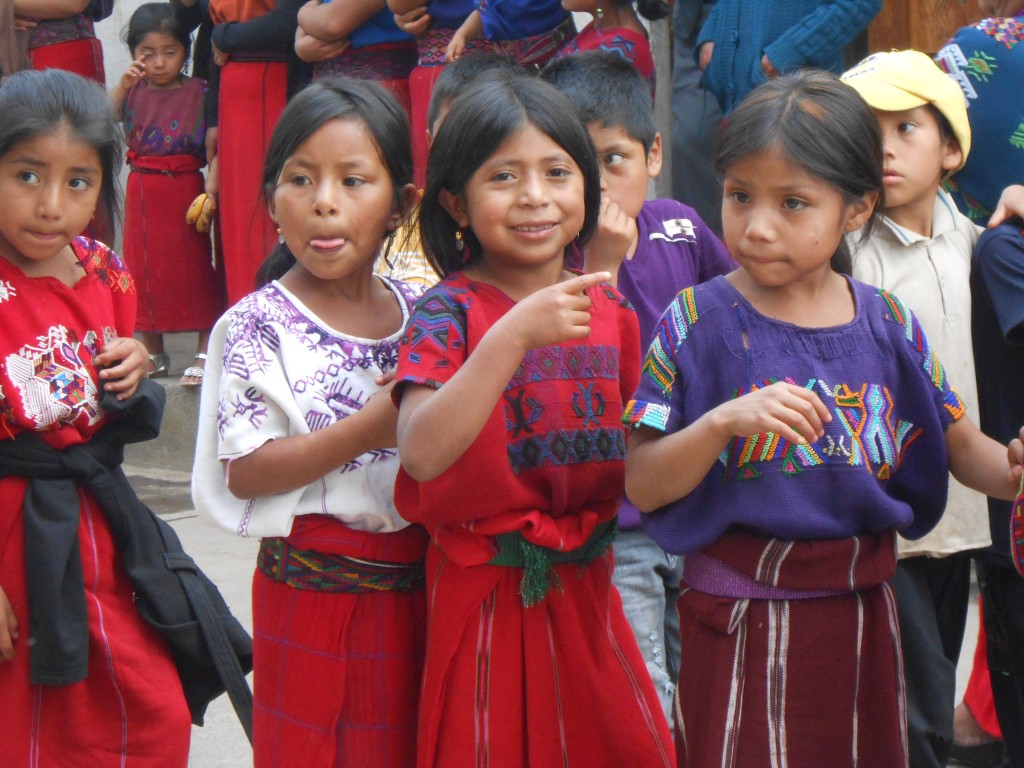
{"points": [[568, 446], [671, 332], [566, 362], [1017, 529], [439, 320], [981, 66], [7, 291], [915, 335], [640, 412], [1007, 31], [106, 264]]}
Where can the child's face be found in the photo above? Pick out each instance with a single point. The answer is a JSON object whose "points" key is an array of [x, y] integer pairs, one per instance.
{"points": [[163, 56], [625, 167], [525, 203], [334, 202], [915, 159], [49, 185], [781, 223]]}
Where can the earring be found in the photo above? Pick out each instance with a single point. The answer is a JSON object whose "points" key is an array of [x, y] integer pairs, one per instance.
{"points": [[599, 23], [459, 245], [387, 249], [280, 237]]}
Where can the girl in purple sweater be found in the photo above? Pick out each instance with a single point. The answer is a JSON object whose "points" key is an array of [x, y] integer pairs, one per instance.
{"points": [[789, 421]]}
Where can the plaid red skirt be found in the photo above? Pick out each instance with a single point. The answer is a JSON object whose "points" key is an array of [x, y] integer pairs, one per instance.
{"points": [[560, 683], [178, 287], [252, 97], [336, 675], [801, 683], [129, 712]]}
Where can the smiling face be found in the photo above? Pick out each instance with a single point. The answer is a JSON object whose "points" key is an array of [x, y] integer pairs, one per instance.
{"points": [[782, 224], [916, 156], [625, 167], [164, 57], [334, 201], [525, 203], [49, 185]]}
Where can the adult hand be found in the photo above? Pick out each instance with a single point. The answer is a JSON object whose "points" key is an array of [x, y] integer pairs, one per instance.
{"points": [[414, 22], [768, 68], [705, 55]]}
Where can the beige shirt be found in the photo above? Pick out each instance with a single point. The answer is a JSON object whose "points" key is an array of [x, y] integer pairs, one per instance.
{"points": [[932, 276]]}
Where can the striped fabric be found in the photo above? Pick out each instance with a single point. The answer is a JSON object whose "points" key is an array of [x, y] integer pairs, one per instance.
{"points": [[336, 674], [794, 683]]}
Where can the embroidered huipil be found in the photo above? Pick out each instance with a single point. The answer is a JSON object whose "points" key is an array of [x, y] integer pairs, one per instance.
{"points": [[280, 371], [882, 462], [549, 461]]}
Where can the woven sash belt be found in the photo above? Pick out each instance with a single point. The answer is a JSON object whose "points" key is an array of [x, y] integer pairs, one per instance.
{"points": [[538, 562], [321, 572]]}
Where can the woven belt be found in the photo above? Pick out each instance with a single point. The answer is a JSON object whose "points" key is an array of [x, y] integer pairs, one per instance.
{"points": [[713, 577], [321, 572], [538, 562]]}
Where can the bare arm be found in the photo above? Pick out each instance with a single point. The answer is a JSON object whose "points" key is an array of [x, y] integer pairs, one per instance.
{"points": [[49, 9], [135, 72], [662, 468], [979, 462], [282, 465], [460, 409], [472, 29], [1011, 203], [399, 7], [332, 21]]}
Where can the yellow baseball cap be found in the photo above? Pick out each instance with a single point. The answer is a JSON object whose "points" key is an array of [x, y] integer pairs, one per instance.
{"points": [[901, 80]]}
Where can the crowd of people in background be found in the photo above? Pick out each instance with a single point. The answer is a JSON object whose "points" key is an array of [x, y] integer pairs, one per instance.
{"points": [[544, 471]]}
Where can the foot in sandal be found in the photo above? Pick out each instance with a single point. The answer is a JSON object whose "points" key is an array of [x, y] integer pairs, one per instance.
{"points": [[193, 375]]}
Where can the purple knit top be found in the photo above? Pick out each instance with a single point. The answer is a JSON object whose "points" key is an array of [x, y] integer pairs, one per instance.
{"points": [[882, 462]]}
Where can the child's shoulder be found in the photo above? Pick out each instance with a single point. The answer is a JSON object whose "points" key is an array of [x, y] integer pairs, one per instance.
{"points": [[99, 259], [671, 221]]}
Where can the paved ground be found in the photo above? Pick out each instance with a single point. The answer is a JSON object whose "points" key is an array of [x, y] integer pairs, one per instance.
{"points": [[160, 475]]}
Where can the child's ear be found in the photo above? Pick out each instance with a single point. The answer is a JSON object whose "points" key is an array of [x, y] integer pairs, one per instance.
{"points": [[859, 211], [272, 210], [408, 197], [655, 155], [455, 205], [952, 156]]}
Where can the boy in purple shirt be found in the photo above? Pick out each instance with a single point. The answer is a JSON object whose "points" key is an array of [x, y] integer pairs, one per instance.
{"points": [[656, 248]]}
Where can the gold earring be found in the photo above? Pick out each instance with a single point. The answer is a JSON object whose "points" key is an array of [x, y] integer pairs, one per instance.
{"points": [[459, 245], [280, 237]]}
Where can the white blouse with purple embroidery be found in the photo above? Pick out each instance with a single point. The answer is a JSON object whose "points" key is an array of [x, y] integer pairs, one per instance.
{"points": [[283, 371]]}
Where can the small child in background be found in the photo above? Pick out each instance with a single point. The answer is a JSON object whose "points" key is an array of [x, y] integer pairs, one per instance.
{"points": [[789, 421], [406, 261], [85, 679], [511, 378], [164, 118], [530, 31], [617, 29], [296, 436], [921, 251], [656, 248]]}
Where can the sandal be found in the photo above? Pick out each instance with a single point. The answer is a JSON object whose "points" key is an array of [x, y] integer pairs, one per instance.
{"points": [[161, 363], [195, 373]]}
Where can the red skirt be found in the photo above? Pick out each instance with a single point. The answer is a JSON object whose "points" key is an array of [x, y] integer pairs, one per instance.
{"points": [[421, 85], [252, 97], [179, 288], [83, 57], [797, 682], [130, 711], [336, 675], [559, 683]]}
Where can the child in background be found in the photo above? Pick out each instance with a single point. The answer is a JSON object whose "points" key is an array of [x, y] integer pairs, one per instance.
{"points": [[789, 421], [407, 262], [617, 29], [165, 122], [656, 248], [530, 31], [84, 678], [511, 378], [296, 430], [372, 47], [921, 251]]}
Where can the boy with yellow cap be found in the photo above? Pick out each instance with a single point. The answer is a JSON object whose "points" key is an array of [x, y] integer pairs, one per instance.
{"points": [[921, 251]]}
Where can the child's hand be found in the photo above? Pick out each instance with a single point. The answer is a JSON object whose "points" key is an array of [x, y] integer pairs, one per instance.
{"points": [[705, 53], [1011, 203], [8, 628], [25, 23], [135, 72], [456, 47], [613, 241], [791, 412], [552, 315], [219, 57], [1015, 456], [414, 22], [122, 363], [311, 49]]}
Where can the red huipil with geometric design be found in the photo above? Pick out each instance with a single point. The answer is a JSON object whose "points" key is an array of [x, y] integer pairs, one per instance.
{"points": [[129, 710]]}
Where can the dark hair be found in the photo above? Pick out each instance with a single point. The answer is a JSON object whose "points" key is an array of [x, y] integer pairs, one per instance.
{"points": [[818, 123], [652, 10], [457, 76], [39, 103], [159, 18], [481, 120], [335, 98], [607, 90]]}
